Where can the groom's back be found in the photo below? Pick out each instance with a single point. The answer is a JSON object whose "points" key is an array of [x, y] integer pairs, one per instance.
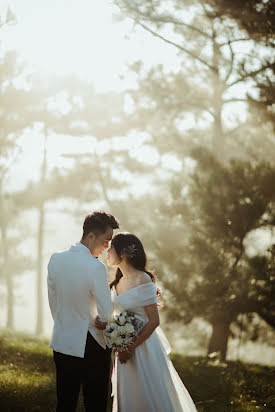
{"points": [[72, 278], [72, 273]]}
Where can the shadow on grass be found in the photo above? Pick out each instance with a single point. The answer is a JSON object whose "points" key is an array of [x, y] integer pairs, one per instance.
{"points": [[27, 375], [208, 386], [227, 387], [29, 357]]}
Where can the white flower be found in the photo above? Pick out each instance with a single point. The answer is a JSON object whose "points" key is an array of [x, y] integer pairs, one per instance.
{"points": [[125, 324], [128, 339], [122, 320], [129, 328], [114, 334], [118, 340], [121, 329]]}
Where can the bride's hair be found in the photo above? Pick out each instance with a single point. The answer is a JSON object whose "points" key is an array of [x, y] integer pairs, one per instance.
{"points": [[126, 244]]}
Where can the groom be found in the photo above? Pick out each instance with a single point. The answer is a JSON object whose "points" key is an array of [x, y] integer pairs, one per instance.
{"points": [[78, 291]]}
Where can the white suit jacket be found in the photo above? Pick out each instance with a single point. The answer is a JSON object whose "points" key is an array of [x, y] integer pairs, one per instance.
{"points": [[78, 291]]}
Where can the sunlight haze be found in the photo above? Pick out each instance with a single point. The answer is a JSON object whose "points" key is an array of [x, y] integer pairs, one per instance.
{"points": [[101, 112]]}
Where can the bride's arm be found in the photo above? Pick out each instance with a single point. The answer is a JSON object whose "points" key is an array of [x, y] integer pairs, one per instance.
{"points": [[151, 325]]}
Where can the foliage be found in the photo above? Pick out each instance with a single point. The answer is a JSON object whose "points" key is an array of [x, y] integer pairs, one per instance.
{"points": [[204, 245], [257, 17]]}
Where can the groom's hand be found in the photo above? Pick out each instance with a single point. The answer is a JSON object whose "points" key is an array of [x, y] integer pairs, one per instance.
{"points": [[99, 324]]}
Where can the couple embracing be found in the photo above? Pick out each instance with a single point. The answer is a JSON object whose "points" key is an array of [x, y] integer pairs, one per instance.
{"points": [[82, 303]]}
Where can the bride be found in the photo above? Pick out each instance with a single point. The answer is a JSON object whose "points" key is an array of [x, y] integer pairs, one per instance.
{"points": [[144, 378]]}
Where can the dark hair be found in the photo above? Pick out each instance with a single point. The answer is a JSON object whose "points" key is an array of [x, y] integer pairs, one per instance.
{"points": [[98, 222], [126, 244]]}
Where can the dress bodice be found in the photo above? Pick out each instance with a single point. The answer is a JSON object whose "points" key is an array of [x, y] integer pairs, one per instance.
{"points": [[135, 299]]}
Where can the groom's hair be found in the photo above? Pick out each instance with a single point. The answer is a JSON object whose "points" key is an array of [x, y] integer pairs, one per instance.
{"points": [[98, 221]]}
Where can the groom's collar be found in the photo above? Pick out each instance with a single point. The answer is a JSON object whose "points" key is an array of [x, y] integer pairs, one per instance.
{"points": [[79, 247]]}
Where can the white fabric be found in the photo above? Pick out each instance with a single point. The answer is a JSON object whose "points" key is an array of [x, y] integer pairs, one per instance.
{"points": [[148, 382], [78, 291]]}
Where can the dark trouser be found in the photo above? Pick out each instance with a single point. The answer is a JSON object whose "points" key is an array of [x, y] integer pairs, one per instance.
{"points": [[92, 372]]}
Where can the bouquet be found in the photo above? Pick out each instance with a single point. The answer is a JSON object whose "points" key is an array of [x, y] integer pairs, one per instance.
{"points": [[123, 330]]}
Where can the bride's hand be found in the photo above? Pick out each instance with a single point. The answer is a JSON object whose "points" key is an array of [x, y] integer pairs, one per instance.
{"points": [[99, 324], [131, 348], [124, 356]]}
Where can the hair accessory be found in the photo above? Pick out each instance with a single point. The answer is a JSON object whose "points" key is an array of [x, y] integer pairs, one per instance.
{"points": [[130, 250]]}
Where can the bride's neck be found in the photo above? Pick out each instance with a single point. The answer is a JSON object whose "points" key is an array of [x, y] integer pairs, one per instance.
{"points": [[127, 270]]}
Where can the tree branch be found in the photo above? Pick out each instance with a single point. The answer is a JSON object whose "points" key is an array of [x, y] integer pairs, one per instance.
{"points": [[189, 26], [251, 74], [238, 257], [161, 18], [214, 69], [232, 41], [231, 63], [171, 20], [234, 100]]}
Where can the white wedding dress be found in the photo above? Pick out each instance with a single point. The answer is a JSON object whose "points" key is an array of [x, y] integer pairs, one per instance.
{"points": [[148, 382]]}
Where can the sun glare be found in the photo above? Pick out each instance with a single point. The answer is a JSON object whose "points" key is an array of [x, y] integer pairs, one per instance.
{"points": [[82, 38], [67, 36]]}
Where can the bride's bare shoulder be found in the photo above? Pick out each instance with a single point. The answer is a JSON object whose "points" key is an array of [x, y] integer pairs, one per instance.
{"points": [[144, 278]]}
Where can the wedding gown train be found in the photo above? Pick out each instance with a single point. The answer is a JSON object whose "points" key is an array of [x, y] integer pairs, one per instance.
{"points": [[148, 382]]}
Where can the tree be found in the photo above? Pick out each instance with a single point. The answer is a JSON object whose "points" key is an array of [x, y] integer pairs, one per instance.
{"points": [[257, 18], [12, 123], [212, 276], [13, 262], [95, 176], [212, 68]]}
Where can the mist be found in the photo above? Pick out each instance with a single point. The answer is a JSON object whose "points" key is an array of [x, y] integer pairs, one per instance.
{"points": [[167, 127]]}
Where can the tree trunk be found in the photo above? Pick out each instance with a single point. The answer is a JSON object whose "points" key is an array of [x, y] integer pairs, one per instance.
{"points": [[9, 280], [218, 135], [218, 141], [7, 274], [10, 301], [112, 206], [219, 339], [39, 318], [40, 243]]}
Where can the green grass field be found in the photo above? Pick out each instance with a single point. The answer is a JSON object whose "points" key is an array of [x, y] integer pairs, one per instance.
{"points": [[27, 380]]}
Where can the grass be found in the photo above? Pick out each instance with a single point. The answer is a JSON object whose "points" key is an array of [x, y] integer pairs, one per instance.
{"points": [[231, 386], [27, 380]]}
